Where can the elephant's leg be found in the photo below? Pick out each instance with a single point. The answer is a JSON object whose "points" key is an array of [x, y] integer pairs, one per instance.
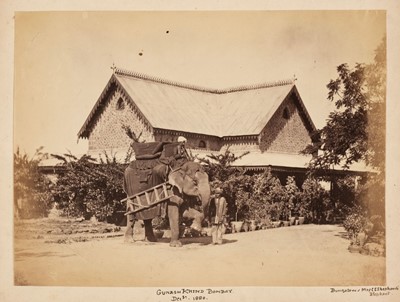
{"points": [[173, 215], [196, 216], [148, 231], [129, 228]]}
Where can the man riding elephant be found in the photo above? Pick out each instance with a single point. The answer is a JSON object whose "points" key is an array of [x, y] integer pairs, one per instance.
{"points": [[157, 163]]}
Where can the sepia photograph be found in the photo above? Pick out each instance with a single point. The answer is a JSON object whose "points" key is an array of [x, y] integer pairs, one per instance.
{"points": [[193, 154]]}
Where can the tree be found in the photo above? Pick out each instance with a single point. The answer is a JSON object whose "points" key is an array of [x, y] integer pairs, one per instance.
{"points": [[376, 130], [355, 130]]}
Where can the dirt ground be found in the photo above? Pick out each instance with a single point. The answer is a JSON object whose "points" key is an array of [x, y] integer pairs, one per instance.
{"points": [[302, 255]]}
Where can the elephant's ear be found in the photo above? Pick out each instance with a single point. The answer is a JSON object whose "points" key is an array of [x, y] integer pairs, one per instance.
{"points": [[176, 178]]}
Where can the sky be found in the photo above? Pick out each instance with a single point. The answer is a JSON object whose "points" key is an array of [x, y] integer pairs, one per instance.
{"points": [[63, 59]]}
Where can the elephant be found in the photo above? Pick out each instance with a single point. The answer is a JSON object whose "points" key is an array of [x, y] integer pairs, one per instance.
{"points": [[189, 181]]}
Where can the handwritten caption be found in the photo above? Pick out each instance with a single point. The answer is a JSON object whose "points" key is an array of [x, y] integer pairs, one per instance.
{"points": [[186, 294], [375, 291]]}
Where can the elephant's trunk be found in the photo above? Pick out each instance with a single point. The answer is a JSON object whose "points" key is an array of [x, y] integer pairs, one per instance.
{"points": [[204, 191], [192, 180]]}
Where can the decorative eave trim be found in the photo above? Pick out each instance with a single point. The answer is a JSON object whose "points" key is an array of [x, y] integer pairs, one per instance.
{"points": [[274, 168], [201, 135], [304, 170], [123, 72], [241, 137], [183, 133]]}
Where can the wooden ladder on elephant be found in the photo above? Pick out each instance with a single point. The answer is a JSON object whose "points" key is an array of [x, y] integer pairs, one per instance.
{"points": [[148, 198]]}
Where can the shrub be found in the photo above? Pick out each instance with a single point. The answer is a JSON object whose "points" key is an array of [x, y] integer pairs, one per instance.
{"points": [[371, 195], [89, 187], [32, 189], [367, 206], [235, 184], [258, 197], [355, 222], [274, 194], [262, 196], [292, 194], [237, 191], [219, 166], [314, 200], [267, 198]]}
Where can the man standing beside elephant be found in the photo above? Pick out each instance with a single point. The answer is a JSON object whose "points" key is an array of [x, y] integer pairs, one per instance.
{"points": [[218, 209]]}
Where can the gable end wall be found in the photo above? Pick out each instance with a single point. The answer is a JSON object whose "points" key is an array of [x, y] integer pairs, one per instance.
{"points": [[285, 135], [107, 133]]}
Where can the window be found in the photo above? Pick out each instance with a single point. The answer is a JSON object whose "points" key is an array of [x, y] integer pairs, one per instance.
{"points": [[202, 144], [285, 114], [120, 104]]}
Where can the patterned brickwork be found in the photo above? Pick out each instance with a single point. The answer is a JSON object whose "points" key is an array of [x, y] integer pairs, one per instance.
{"points": [[108, 134], [282, 134]]}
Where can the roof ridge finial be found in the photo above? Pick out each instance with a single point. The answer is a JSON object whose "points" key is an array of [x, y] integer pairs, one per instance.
{"points": [[113, 67]]}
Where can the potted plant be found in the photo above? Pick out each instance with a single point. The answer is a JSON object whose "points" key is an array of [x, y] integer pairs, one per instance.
{"points": [[253, 225], [274, 213], [265, 223], [286, 213], [292, 196], [245, 226], [236, 226], [241, 206], [258, 212], [302, 210], [292, 217]]}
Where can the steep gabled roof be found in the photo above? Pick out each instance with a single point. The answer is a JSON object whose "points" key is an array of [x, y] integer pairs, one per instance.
{"points": [[237, 111]]}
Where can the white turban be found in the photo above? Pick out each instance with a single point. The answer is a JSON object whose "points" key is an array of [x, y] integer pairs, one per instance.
{"points": [[182, 139]]}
